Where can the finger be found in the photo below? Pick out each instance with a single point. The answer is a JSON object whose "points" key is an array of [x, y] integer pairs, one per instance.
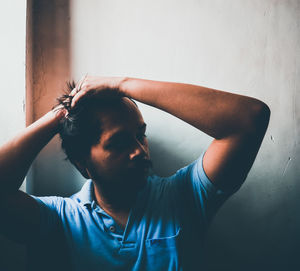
{"points": [[58, 108], [78, 85], [81, 81], [73, 92], [77, 97], [62, 113]]}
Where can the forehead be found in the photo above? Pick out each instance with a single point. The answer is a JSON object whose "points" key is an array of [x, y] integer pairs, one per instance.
{"points": [[120, 116]]}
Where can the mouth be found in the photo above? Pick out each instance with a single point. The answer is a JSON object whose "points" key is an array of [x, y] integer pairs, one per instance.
{"points": [[141, 167], [143, 164]]}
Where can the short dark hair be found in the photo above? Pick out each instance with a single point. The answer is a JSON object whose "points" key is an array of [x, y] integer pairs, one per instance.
{"points": [[81, 128]]}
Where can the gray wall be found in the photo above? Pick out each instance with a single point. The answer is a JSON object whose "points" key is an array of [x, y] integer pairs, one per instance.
{"points": [[12, 95], [249, 47]]}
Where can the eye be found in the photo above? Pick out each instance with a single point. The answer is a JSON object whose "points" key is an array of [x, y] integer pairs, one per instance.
{"points": [[120, 144]]}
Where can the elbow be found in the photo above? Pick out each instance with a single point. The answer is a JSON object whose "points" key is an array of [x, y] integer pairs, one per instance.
{"points": [[260, 117]]}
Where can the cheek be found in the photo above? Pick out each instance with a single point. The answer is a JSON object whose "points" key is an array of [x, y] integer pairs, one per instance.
{"points": [[108, 161]]}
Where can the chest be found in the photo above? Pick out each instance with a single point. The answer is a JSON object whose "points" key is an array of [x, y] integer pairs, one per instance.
{"points": [[145, 242]]}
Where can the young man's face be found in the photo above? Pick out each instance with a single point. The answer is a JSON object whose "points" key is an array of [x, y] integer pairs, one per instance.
{"points": [[121, 158]]}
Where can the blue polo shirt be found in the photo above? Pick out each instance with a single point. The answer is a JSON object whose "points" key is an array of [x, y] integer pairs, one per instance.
{"points": [[164, 231]]}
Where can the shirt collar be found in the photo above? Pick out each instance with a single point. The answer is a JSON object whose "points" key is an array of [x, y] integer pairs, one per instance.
{"points": [[86, 197], [86, 194]]}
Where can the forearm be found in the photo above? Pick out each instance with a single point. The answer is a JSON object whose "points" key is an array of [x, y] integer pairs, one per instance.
{"points": [[17, 155], [217, 113]]}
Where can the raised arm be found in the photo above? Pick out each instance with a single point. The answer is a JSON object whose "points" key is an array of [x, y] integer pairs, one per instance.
{"points": [[19, 212], [237, 123]]}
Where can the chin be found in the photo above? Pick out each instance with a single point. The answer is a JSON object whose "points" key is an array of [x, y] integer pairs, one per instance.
{"points": [[137, 181]]}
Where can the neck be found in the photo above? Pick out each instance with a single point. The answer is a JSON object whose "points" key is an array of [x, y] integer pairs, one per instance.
{"points": [[114, 200], [115, 203]]}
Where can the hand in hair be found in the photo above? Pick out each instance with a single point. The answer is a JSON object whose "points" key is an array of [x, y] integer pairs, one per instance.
{"points": [[106, 86]]}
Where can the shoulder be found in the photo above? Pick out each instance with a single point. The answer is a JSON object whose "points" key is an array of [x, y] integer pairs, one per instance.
{"points": [[59, 204]]}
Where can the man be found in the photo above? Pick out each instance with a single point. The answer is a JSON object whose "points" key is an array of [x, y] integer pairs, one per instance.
{"points": [[123, 219]]}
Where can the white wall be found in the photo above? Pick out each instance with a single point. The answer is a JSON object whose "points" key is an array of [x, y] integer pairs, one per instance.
{"points": [[12, 67], [249, 47], [12, 95]]}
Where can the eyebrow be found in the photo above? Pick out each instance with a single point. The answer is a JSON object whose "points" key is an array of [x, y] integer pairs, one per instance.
{"points": [[121, 133]]}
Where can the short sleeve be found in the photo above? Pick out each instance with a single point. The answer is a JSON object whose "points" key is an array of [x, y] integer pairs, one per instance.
{"points": [[49, 214], [199, 196]]}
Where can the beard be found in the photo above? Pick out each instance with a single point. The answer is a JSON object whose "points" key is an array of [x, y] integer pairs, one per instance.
{"points": [[119, 186], [136, 175]]}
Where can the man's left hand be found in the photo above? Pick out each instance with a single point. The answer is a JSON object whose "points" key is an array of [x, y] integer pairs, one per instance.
{"points": [[100, 85]]}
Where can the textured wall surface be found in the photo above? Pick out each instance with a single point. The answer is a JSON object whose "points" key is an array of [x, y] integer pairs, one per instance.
{"points": [[12, 96], [248, 47]]}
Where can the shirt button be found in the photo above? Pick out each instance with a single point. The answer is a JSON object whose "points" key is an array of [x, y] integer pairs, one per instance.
{"points": [[112, 228]]}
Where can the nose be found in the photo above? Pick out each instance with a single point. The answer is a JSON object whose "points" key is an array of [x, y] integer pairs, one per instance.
{"points": [[138, 150]]}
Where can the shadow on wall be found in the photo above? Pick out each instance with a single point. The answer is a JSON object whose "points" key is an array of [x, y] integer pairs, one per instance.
{"points": [[254, 231], [166, 161], [52, 174]]}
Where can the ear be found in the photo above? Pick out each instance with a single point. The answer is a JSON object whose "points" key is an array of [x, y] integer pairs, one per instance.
{"points": [[82, 169]]}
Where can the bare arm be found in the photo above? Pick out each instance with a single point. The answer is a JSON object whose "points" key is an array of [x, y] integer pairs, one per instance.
{"points": [[17, 154], [237, 123], [19, 212]]}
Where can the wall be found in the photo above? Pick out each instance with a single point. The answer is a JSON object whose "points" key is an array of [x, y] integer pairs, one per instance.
{"points": [[12, 95], [246, 47]]}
